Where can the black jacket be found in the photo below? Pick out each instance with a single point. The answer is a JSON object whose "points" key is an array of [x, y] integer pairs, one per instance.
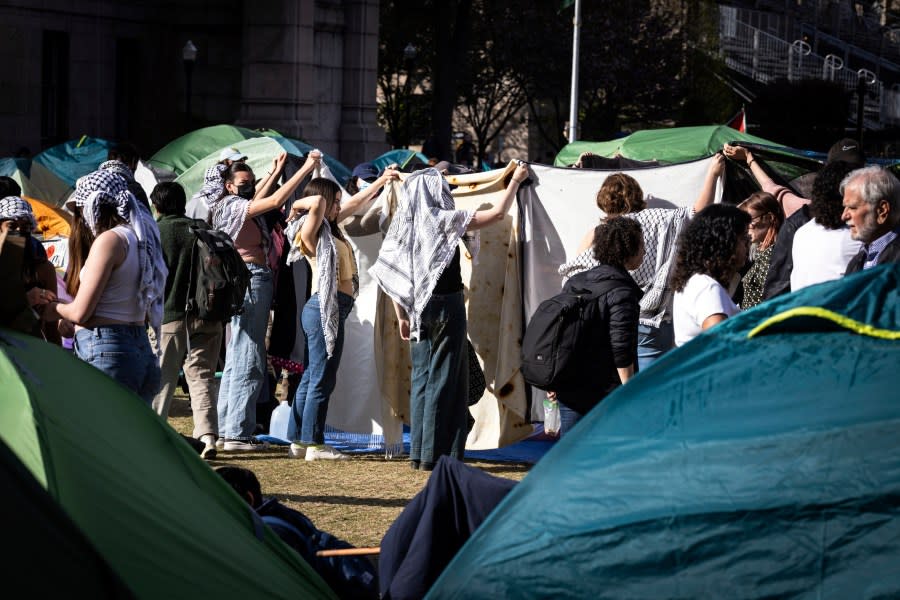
{"points": [[778, 280], [614, 343], [890, 254]]}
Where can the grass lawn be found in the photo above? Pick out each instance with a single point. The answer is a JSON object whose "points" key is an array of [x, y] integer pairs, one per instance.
{"points": [[356, 500]]}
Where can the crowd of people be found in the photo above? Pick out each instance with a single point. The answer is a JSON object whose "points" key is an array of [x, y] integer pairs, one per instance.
{"points": [[669, 275], [675, 273]]}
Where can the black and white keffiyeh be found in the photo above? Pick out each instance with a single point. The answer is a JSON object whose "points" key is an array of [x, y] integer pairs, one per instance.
{"points": [[213, 185], [326, 263], [104, 188], [421, 240], [119, 168], [16, 209]]}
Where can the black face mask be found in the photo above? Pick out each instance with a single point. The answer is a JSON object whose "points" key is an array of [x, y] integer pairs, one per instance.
{"points": [[245, 190]]}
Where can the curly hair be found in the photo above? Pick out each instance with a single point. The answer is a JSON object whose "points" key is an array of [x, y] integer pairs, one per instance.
{"points": [[708, 243], [827, 202], [616, 241], [620, 194]]}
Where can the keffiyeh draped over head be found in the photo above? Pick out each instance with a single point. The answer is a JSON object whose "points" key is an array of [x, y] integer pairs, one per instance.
{"points": [[420, 242], [326, 262], [213, 185], [16, 209], [119, 168], [103, 188]]}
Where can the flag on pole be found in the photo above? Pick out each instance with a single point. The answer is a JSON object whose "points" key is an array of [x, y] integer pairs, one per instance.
{"points": [[739, 121]]}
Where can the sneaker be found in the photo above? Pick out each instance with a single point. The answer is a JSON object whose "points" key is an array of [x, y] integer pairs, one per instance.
{"points": [[220, 444], [298, 449], [324, 452], [248, 445], [209, 447]]}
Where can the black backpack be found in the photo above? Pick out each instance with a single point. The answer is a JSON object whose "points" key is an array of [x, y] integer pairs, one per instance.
{"points": [[558, 342], [219, 278]]}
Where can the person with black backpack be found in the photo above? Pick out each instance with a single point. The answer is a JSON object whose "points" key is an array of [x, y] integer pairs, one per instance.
{"points": [[582, 344], [186, 340]]}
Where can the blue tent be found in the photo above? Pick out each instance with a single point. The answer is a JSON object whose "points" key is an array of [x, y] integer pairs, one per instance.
{"points": [[74, 158], [762, 459], [402, 157]]}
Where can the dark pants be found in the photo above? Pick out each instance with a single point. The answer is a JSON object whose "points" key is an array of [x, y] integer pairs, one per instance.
{"points": [[440, 381]]}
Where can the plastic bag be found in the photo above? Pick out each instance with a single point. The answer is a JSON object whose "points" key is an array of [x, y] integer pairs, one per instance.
{"points": [[551, 416]]}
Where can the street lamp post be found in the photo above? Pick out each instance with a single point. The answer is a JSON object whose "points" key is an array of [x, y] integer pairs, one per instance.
{"points": [[409, 55], [189, 56], [864, 78]]}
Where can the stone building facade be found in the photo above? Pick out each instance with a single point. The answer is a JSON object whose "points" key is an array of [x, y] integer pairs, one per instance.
{"points": [[115, 70]]}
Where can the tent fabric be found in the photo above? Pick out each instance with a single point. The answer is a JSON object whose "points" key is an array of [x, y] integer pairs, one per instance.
{"points": [[75, 158], [36, 180], [41, 534], [674, 145], [260, 151], [164, 521], [560, 207], [735, 466], [182, 154], [52, 221], [403, 157]]}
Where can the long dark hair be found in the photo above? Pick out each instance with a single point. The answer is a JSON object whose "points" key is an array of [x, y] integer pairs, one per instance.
{"points": [[708, 243], [319, 186], [80, 241]]}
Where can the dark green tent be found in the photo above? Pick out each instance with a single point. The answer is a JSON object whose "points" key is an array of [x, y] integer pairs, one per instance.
{"points": [[160, 517], [760, 460]]}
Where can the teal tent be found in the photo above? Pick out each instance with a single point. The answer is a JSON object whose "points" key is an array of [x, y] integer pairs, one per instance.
{"points": [[36, 180], [760, 460], [404, 157], [74, 158], [167, 525]]}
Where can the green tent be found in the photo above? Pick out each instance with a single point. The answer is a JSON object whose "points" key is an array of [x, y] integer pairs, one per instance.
{"points": [[181, 154], [41, 534], [668, 146], [760, 460], [163, 520]]}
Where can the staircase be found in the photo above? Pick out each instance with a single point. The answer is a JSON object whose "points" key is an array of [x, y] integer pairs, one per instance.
{"points": [[766, 57]]}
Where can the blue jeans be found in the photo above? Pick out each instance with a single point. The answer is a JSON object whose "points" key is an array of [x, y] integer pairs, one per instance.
{"points": [[440, 381], [243, 378], [122, 352], [653, 342], [568, 418], [319, 372]]}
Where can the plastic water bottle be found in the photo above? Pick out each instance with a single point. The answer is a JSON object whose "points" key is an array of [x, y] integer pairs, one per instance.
{"points": [[551, 416], [281, 424]]}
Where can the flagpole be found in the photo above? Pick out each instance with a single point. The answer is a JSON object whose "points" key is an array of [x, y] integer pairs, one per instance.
{"points": [[573, 99]]}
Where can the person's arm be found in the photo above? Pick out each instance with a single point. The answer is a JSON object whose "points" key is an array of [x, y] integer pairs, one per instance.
{"points": [[107, 252], [309, 232], [403, 320], [586, 241], [739, 153], [624, 312], [271, 177], [276, 200], [46, 274], [349, 207], [495, 214], [626, 373], [708, 192], [713, 320]]}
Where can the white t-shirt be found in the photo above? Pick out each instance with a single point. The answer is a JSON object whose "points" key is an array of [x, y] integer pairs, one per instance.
{"points": [[702, 297], [820, 254]]}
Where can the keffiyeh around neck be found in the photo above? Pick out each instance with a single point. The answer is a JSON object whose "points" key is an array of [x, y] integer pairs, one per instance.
{"points": [[326, 262], [103, 188], [421, 240], [16, 209]]}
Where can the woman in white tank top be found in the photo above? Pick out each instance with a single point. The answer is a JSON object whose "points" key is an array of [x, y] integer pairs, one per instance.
{"points": [[114, 274]]}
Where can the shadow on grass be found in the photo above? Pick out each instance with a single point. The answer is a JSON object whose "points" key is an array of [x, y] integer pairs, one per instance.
{"points": [[346, 500]]}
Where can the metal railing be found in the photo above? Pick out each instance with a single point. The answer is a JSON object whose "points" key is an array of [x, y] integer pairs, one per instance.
{"points": [[766, 58]]}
